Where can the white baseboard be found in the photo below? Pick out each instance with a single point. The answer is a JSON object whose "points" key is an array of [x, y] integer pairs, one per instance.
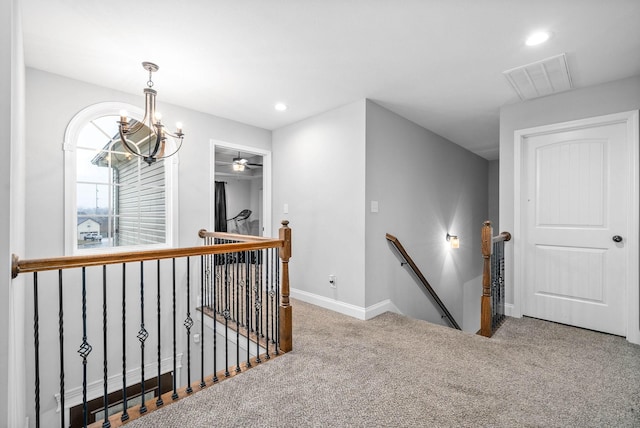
{"points": [[345, 308]]}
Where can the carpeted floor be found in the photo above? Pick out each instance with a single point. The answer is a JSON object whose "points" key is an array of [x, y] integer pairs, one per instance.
{"points": [[393, 371]]}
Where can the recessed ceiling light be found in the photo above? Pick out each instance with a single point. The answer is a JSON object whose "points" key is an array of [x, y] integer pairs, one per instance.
{"points": [[280, 106], [538, 38]]}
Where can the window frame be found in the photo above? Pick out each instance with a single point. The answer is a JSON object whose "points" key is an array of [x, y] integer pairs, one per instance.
{"points": [[72, 133]]}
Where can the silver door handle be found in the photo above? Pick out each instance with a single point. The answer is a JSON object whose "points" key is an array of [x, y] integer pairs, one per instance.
{"points": [[617, 238]]}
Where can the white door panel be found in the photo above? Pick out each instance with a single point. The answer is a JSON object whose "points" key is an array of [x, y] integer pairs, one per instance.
{"points": [[575, 200]]}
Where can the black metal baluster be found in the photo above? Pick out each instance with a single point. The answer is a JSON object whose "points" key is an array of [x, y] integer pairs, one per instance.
{"points": [[202, 279], [105, 378], [36, 343], [85, 348], [237, 312], [159, 401], [277, 280], [142, 337], [257, 303], [174, 396], [272, 294], [247, 299], [188, 323], [216, 275], [226, 320], [267, 293], [125, 412], [61, 340]]}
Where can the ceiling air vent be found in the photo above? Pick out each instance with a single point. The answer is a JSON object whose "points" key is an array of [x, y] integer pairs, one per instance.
{"points": [[540, 78]]}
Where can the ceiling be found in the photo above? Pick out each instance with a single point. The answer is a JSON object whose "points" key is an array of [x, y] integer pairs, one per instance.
{"points": [[438, 63]]}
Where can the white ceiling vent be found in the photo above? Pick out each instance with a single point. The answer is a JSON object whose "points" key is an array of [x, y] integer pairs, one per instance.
{"points": [[540, 78]]}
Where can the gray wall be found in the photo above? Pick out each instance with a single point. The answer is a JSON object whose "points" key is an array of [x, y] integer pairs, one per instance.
{"points": [[494, 194], [425, 186], [612, 97], [319, 171]]}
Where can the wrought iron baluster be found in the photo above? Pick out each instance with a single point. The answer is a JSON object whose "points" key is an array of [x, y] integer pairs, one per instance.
{"points": [[142, 337], [159, 401], [188, 323], [215, 313], [202, 280], [236, 295], [247, 311], [105, 380], [277, 279], [174, 396], [257, 312], [36, 343], [125, 412], [266, 295], [85, 348], [61, 341], [226, 320]]}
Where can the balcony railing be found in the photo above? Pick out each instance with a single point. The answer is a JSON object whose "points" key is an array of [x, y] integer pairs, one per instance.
{"points": [[119, 329], [493, 294]]}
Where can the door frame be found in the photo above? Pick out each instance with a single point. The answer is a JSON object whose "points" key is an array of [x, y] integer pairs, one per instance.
{"points": [[631, 120], [266, 181]]}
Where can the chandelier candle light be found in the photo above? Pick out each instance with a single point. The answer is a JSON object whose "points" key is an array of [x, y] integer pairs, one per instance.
{"points": [[151, 126]]}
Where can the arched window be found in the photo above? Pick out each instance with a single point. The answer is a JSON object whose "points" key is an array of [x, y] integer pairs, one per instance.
{"points": [[113, 200]]}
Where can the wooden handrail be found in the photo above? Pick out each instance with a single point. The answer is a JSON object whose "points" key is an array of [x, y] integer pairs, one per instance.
{"points": [[204, 233], [422, 279], [504, 236], [68, 262]]}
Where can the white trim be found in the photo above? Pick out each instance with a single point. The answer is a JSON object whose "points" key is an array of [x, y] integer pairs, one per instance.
{"points": [[72, 132], [631, 119], [266, 181], [73, 396], [345, 308]]}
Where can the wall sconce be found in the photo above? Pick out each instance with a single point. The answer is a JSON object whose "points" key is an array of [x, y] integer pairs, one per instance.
{"points": [[453, 240]]}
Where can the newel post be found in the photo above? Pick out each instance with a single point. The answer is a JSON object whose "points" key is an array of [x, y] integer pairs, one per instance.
{"points": [[286, 326], [485, 303]]}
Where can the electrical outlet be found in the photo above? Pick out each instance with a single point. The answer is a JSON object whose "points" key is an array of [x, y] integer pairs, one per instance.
{"points": [[332, 281]]}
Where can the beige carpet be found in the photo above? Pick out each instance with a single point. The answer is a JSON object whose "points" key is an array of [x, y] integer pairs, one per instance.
{"points": [[393, 371]]}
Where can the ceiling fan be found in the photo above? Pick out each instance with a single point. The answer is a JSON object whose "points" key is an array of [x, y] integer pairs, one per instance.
{"points": [[239, 164]]}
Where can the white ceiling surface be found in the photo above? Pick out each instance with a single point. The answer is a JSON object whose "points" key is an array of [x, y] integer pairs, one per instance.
{"points": [[438, 63]]}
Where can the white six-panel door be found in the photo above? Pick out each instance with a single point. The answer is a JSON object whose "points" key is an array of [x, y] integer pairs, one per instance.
{"points": [[574, 207]]}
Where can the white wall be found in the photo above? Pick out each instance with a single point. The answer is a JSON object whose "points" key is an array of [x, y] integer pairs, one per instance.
{"points": [[51, 102], [612, 97], [425, 186], [319, 171], [12, 193], [45, 156]]}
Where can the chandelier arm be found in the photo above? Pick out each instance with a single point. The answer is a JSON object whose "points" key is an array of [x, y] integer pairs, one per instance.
{"points": [[157, 146], [126, 144], [174, 152]]}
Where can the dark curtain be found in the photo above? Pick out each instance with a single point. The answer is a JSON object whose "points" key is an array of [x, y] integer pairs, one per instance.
{"points": [[221, 207]]}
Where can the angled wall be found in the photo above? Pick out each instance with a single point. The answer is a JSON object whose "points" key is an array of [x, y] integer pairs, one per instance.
{"points": [[425, 187]]}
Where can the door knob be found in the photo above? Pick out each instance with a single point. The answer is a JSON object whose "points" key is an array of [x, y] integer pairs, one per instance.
{"points": [[617, 238]]}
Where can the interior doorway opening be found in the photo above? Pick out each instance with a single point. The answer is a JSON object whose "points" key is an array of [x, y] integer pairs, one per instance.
{"points": [[241, 189]]}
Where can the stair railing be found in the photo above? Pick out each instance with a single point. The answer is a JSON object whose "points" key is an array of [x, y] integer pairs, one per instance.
{"points": [[493, 295], [409, 261], [99, 301]]}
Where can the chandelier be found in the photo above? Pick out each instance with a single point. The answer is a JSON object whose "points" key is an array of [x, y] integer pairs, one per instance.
{"points": [[147, 139]]}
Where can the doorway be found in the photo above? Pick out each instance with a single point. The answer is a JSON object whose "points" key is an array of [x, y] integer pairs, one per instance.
{"points": [[246, 174], [577, 223]]}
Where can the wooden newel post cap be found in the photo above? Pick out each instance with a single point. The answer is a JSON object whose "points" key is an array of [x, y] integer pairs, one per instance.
{"points": [[285, 223]]}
